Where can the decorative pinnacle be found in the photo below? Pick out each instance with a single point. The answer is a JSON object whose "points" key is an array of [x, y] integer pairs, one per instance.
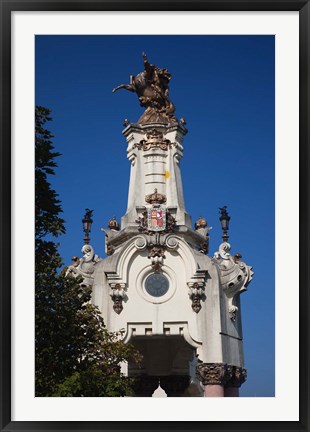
{"points": [[155, 198], [113, 224], [87, 223], [201, 223], [152, 88], [224, 219]]}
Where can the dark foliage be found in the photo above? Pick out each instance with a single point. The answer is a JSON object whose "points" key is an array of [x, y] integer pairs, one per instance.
{"points": [[74, 353]]}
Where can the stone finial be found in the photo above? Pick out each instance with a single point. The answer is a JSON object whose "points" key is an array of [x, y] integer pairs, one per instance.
{"points": [[75, 261], [201, 223], [113, 224], [159, 392], [237, 257], [155, 198]]}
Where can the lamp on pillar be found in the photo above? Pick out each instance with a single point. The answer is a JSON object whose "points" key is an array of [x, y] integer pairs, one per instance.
{"points": [[224, 219], [87, 223]]}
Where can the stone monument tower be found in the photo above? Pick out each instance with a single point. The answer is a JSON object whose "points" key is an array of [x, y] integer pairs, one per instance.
{"points": [[179, 306]]}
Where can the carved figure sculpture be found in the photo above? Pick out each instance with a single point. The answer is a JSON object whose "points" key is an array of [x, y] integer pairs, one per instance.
{"points": [[152, 88], [84, 266]]}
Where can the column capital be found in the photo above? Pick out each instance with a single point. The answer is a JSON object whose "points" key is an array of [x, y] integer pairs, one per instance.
{"points": [[221, 374], [239, 376], [214, 373]]}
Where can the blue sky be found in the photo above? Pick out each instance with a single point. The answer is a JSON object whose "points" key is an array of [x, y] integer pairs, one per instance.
{"points": [[224, 87]]}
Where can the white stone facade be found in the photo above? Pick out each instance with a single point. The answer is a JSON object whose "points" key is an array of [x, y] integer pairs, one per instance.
{"points": [[180, 307], [177, 305], [155, 161]]}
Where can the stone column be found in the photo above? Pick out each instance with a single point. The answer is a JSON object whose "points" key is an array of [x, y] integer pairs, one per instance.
{"points": [[238, 377], [214, 377], [213, 390]]}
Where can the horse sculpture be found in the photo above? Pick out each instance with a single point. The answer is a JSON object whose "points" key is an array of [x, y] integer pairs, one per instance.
{"points": [[152, 88]]}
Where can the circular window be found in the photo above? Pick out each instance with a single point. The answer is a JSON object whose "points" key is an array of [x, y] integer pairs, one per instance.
{"points": [[156, 284]]}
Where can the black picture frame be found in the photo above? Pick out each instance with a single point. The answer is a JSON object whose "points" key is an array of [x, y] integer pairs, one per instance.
{"points": [[7, 7]]}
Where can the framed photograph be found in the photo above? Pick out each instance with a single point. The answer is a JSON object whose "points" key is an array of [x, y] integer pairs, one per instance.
{"points": [[239, 86]]}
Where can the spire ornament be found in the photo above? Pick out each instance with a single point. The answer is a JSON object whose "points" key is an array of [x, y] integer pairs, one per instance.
{"points": [[87, 222], [200, 223], [113, 224], [155, 198], [152, 89], [224, 219]]}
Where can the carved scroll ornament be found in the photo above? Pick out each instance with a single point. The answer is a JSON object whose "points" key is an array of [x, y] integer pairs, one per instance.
{"points": [[235, 276]]}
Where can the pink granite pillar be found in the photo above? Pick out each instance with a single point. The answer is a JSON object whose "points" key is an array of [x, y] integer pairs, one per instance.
{"points": [[214, 390], [214, 377], [220, 379]]}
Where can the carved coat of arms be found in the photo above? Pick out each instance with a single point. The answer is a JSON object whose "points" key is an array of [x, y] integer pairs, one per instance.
{"points": [[156, 219]]}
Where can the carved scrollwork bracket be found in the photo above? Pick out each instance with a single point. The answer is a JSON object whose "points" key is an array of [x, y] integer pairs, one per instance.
{"points": [[157, 249], [156, 246], [157, 255], [117, 295], [196, 294]]}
